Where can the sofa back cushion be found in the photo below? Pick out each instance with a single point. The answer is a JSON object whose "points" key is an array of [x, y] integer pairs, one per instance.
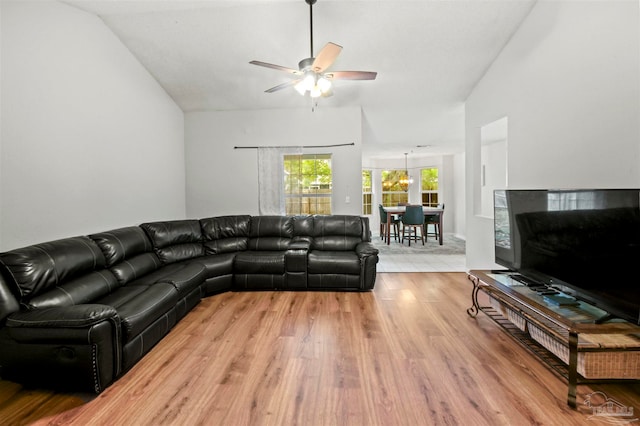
{"points": [[303, 226], [224, 234], [121, 244], [128, 252], [175, 240], [337, 233], [8, 302], [40, 267], [84, 289], [270, 233]]}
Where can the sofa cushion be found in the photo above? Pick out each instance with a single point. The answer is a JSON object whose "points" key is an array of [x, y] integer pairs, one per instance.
{"points": [[128, 251], [333, 262], [271, 226], [225, 234], [303, 226], [8, 302], [42, 266], [270, 232], [337, 233], [226, 245], [80, 291], [180, 252], [259, 262], [122, 244], [218, 264], [184, 276], [268, 244], [175, 240], [139, 306], [136, 267]]}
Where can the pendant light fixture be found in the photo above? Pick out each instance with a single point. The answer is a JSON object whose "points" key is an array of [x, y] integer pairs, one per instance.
{"points": [[405, 180]]}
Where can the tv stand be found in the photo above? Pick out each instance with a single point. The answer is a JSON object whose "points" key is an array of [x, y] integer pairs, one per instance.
{"points": [[578, 342]]}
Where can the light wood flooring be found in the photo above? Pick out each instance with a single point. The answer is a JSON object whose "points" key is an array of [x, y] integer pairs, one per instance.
{"points": [[406, 353]]}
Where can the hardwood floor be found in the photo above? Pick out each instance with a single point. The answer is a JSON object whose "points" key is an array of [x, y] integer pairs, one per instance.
{"points": [[405, 354]]}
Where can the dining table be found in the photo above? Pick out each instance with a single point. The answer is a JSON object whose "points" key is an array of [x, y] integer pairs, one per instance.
{"points": [[398, 210]]}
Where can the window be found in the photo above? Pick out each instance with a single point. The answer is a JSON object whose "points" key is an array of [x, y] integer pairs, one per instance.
{"points": [[307, 184], [582, 200], [429, 185], [366, 192], [392, 192]]}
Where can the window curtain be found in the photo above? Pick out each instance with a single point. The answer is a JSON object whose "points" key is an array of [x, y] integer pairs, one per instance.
{"points": [[271, 179], [580, 200]]}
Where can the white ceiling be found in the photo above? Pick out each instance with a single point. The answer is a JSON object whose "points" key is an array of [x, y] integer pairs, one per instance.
{"points": [[429, 54]]}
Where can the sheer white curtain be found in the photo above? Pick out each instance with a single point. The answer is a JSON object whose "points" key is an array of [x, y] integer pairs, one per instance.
{"points": [[271, 179], [578, 200]]}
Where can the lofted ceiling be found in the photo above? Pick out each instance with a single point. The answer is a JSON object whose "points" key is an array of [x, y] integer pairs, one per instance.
{"points": [[429, 54]]}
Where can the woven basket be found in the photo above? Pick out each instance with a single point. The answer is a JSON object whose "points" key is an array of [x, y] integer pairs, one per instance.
{"points": [[613, 364], [508, 313]]}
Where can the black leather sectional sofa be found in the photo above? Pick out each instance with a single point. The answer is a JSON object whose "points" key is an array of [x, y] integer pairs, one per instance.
{"points": [[77, 313]]}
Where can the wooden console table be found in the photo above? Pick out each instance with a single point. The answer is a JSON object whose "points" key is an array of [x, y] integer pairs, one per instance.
{"points": [[565, 337]]}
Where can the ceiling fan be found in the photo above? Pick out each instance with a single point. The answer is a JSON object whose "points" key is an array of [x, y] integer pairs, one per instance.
{"points": [[312, 76]]}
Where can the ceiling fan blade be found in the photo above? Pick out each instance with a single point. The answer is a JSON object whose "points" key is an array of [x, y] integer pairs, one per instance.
{"points": [[276, 67], [351, 75], [326, 57], [282, 86]]}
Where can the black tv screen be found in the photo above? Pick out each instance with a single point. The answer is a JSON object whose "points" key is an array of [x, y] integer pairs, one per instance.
{"points": [[587, 241]]}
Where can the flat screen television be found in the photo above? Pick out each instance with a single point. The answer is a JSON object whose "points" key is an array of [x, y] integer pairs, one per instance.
{"points": [[586, 242]]}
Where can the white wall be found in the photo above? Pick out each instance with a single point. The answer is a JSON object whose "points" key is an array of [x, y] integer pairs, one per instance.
{"points": [[568, 81], [494, 172], [90, 141], [459, 199], [222, 180]]}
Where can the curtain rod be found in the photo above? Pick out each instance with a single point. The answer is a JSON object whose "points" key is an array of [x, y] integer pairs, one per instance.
{"points": [[294, 146]]}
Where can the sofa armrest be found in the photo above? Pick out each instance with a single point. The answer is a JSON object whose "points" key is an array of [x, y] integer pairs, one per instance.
{"points": [[368, 255], [366, 249], [295, 264], [300, 243], [77, 316], [75, 347]]}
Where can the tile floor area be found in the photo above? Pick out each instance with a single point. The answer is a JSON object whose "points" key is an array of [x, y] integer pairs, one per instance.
{"points": [[422, 263], [405, 261]]}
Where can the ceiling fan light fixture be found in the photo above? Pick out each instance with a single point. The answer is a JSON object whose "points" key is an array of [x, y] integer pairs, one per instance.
{"points": [[315, 92], [312, 76], [324, 85], [309, 80], [316, 85], [300, 87], [307, 84]]}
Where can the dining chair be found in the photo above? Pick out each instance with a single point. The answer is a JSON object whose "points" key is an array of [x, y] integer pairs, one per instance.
{"points": [[413, 217], [383, 224], [401, 204], [433, 220]]}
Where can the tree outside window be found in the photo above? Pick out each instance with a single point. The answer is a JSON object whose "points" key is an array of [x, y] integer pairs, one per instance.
{"points": [[392, 192], [429, 185], [308, 184]]}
